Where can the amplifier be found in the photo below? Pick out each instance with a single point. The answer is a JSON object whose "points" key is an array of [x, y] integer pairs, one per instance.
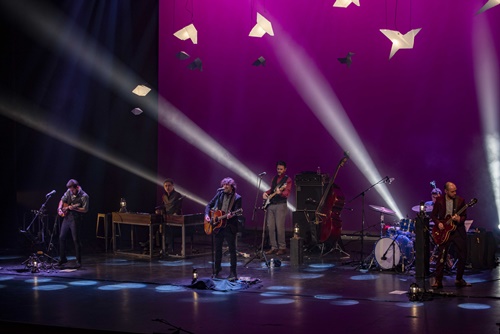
{"points": [[309, 179]]}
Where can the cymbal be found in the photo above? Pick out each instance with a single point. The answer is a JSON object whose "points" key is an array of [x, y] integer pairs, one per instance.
{"points": [[427, 208], [381, 209]]}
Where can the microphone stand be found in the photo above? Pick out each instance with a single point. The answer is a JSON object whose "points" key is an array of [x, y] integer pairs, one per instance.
{"points": [[362, 195], [259, 252]]}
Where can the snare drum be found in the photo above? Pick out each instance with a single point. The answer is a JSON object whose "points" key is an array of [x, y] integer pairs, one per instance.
{"points": [[390, 252], [407, 225]]}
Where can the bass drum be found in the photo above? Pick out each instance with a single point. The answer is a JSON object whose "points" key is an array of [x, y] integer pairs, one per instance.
{"points": [[393, 251]]}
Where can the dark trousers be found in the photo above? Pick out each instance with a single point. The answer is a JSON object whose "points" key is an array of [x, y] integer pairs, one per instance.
{"points": [[459, 239], [70, 225], [228, 233]]}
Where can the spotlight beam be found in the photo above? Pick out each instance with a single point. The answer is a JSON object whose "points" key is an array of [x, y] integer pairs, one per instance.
{"points": [[316, 92], [487, 86], [50, 26]]}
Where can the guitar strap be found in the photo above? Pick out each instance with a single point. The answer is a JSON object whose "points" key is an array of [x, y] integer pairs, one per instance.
{"points": [[282, 182]]}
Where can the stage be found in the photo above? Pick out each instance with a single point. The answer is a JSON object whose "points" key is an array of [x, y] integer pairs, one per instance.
{"points": [[330, 293]]}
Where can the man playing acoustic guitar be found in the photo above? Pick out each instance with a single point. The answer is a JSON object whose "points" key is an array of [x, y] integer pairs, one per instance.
{"points": [[73, 204], [445, 210], [226, 201]]}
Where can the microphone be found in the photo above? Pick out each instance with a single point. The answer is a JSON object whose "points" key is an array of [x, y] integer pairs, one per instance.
{"points": [[222, 188], [51, 193], [262, 174], [389, 179]]}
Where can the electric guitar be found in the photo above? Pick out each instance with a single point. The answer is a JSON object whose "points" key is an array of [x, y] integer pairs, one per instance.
{"points": [[65, 208], [218, 220], [441, 236], [268, 199]]}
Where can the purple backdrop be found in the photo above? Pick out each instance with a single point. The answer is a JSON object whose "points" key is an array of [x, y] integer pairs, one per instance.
{"points": [[417, 114]]}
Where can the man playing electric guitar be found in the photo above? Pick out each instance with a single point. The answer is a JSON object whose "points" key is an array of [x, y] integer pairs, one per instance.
{"points": [[225, 200], [444, 209]]}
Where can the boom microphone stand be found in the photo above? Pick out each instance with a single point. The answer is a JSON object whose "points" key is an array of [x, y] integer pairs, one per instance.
{"points": [[362, 263]]}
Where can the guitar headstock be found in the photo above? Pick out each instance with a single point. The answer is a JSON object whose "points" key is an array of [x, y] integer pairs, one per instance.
{"points": [[472, 202]]}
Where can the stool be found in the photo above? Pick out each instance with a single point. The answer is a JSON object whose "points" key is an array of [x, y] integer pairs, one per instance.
{"points": [[102, 217]]}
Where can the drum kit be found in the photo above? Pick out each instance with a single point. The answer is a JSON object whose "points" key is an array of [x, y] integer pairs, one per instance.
{"points": [[395, 248]]}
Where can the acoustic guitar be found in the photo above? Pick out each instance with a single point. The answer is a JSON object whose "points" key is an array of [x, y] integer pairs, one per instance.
{"points": [[65, 208], [441, 236], [218, 220]]}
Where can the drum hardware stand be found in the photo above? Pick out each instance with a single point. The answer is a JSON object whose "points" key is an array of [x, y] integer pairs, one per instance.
{"points": [[259, 253], [362, 195], [39, 261]]}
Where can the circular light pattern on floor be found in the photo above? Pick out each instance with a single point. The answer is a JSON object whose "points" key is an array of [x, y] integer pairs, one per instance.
{"points": [[474, 306], [50, 287], [212, 299], [306, 276], [364, 277], [9, 257], [347, 302], [83, 283], [281, 287], [179, 263], [322, 265], [277, 301], [38, 280], [327, 296], [6, 278], [410, 304], [272, 294], [122, 286], [170, 288], [117, 262]]}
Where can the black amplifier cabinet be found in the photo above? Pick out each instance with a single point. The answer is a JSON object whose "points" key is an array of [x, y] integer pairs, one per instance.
{"points": [[309, 187]]}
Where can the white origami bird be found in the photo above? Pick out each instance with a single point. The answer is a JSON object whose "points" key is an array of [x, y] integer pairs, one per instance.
{"points": [[400, 41]]}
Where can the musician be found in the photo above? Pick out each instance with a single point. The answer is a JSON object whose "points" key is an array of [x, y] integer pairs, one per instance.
{"points": [[281, 187], [72, 206], [435, 193], [172, 205], [227, 200], [445, 207]]}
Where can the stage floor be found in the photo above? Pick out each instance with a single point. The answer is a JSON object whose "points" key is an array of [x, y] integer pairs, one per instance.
{"points": [[328, 294]]}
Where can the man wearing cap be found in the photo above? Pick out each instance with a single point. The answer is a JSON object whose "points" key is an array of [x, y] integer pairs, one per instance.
{"points": [[73, 204]]}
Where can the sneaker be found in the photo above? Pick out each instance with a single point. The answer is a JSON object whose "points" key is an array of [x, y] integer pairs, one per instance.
{"points": [[271, 251], [61, 263], [461, 283], [78, 265], [232, 277]]}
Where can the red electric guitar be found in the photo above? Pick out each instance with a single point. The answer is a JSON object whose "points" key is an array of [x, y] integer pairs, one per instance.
{"points": [[441, 236]]}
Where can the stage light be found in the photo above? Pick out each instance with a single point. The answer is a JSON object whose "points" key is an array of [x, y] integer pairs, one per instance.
{"points": [[141, 90], [260, 61], [196, 65], [136, 111], [182, 55], [123, 205], [296, 231], [490, 4], [262, 27], [188, 31], [194, 276], [400, 41], [345, 3], [414, 293]]}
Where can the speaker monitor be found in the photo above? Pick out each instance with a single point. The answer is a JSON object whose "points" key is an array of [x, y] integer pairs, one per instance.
{"points": [[308, 196]]}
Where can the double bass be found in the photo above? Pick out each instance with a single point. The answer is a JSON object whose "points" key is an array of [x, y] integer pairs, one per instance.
{"points": [[329, 208]]}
